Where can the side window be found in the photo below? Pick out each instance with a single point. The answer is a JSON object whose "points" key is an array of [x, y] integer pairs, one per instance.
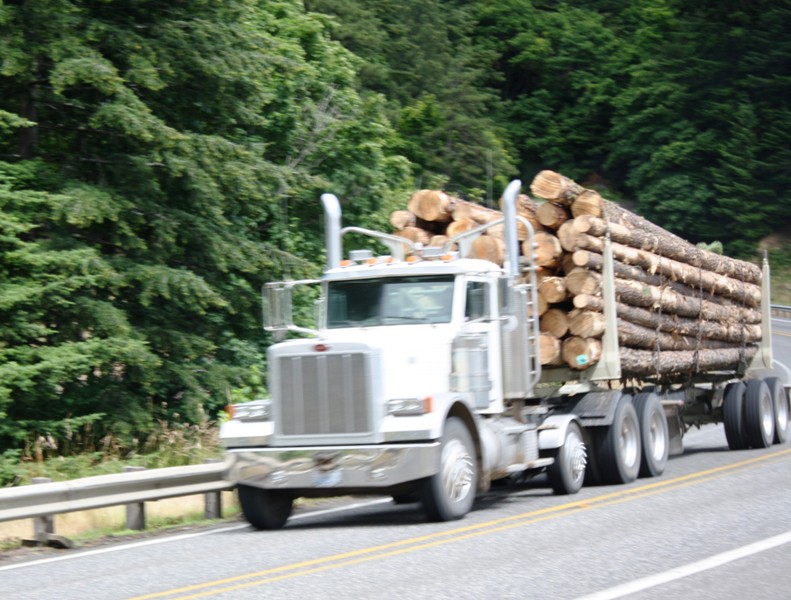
{"points": [[476, 304]]}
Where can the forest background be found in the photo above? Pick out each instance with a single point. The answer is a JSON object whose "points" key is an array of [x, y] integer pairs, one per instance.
{"points": [[161, 160]]}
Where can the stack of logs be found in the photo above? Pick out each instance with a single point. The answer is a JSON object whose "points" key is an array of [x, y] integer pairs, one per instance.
{"points": [[680, 309]]}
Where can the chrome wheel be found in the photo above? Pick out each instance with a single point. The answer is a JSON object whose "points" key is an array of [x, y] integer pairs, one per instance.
{"points": [[567, 473], [654, 432], [451, 492], [759, 415], [619, 448], [458, 470]]}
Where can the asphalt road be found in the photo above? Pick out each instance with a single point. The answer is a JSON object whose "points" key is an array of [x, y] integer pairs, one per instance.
{"points": [[717, 524]]}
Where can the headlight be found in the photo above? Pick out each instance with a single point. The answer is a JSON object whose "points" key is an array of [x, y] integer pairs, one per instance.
{"points": [[409, 407], [255, 410]]}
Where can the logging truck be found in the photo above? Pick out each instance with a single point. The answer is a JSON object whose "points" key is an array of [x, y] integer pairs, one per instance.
{"points": [[426, 378]]}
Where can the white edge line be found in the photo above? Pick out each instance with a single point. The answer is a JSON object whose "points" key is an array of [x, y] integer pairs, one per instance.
{"points": [[184, 536], [711, 562]]}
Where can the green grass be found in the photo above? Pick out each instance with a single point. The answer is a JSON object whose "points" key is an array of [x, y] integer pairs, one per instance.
{"points": [[170, 445]]}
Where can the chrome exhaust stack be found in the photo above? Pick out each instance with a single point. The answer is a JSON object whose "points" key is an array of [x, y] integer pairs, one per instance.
{"points": [[332, 229], [511, 235]]}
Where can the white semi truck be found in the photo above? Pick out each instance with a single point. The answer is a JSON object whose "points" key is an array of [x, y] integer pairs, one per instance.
{"points": [[422, 381]]}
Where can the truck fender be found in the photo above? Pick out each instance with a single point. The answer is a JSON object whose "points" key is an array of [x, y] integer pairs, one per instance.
{"points": [[451, 405], [552, 432], [595, 408]]}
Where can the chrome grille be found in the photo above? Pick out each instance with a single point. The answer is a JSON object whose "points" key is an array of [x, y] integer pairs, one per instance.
{"points": [[324, 393]]}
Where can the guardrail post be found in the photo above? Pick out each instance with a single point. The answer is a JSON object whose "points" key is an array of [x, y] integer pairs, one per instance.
{"points": [[212, 500], [43, 526], [136, 511]]}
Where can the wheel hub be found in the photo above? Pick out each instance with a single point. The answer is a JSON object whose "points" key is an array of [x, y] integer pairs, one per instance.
{"points": [[577, 456], [457, 470]]}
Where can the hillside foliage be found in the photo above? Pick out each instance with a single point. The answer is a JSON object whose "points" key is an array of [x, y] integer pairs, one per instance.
{"points": [[160, 161]]}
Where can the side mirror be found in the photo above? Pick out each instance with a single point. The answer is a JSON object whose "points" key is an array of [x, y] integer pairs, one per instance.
{"points": [[278, 308], [276, 303]]}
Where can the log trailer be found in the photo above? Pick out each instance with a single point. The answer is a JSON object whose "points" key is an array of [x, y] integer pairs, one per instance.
{"points": [[422, 381]]}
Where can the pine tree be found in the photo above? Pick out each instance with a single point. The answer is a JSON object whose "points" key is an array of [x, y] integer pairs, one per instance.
{"points": [[158, 160]]}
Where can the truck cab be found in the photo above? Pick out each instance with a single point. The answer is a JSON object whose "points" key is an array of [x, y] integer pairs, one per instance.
{"points": [[404, 388]]}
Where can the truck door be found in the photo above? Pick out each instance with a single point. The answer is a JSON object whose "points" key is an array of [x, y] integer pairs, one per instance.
{"points": [[481, 320]]}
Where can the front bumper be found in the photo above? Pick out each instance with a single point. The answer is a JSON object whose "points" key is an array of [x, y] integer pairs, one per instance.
{"points": [[346, 467]]}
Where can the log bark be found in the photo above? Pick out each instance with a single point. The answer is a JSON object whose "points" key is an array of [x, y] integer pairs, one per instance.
{"points": [[548, 183], [731, 332], [631, 335], [647, 296], [705, 266], [594, 261], [580, 353], [740, 270], [554, 322], [683, 362], [738, 291]]}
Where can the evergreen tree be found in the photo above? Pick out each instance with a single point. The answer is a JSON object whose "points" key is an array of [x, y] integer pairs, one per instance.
{"points": [[420, 55], [697, 128], [157, 160]]}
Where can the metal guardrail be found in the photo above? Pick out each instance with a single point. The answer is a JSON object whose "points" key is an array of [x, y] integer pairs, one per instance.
{"points": [[41, 501], [778, 310]]}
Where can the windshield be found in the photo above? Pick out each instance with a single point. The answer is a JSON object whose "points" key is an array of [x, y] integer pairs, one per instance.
{"points": [[389, 301]]}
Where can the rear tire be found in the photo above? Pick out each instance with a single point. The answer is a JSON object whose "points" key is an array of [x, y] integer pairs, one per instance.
{"points": [[265, 509], [654, 433], [619, 449], [781, 407], [567, 474], [759, 416], [733, 415], [450, 493]]}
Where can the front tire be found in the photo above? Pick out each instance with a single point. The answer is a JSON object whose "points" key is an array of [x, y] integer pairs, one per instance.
{"points": [[567, 474], [759, 417], [654, 434], [265, 509], [450, 493], [619, 449]]}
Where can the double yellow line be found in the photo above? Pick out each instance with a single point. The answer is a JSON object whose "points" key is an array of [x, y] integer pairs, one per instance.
{"points": [[414, 544]]}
